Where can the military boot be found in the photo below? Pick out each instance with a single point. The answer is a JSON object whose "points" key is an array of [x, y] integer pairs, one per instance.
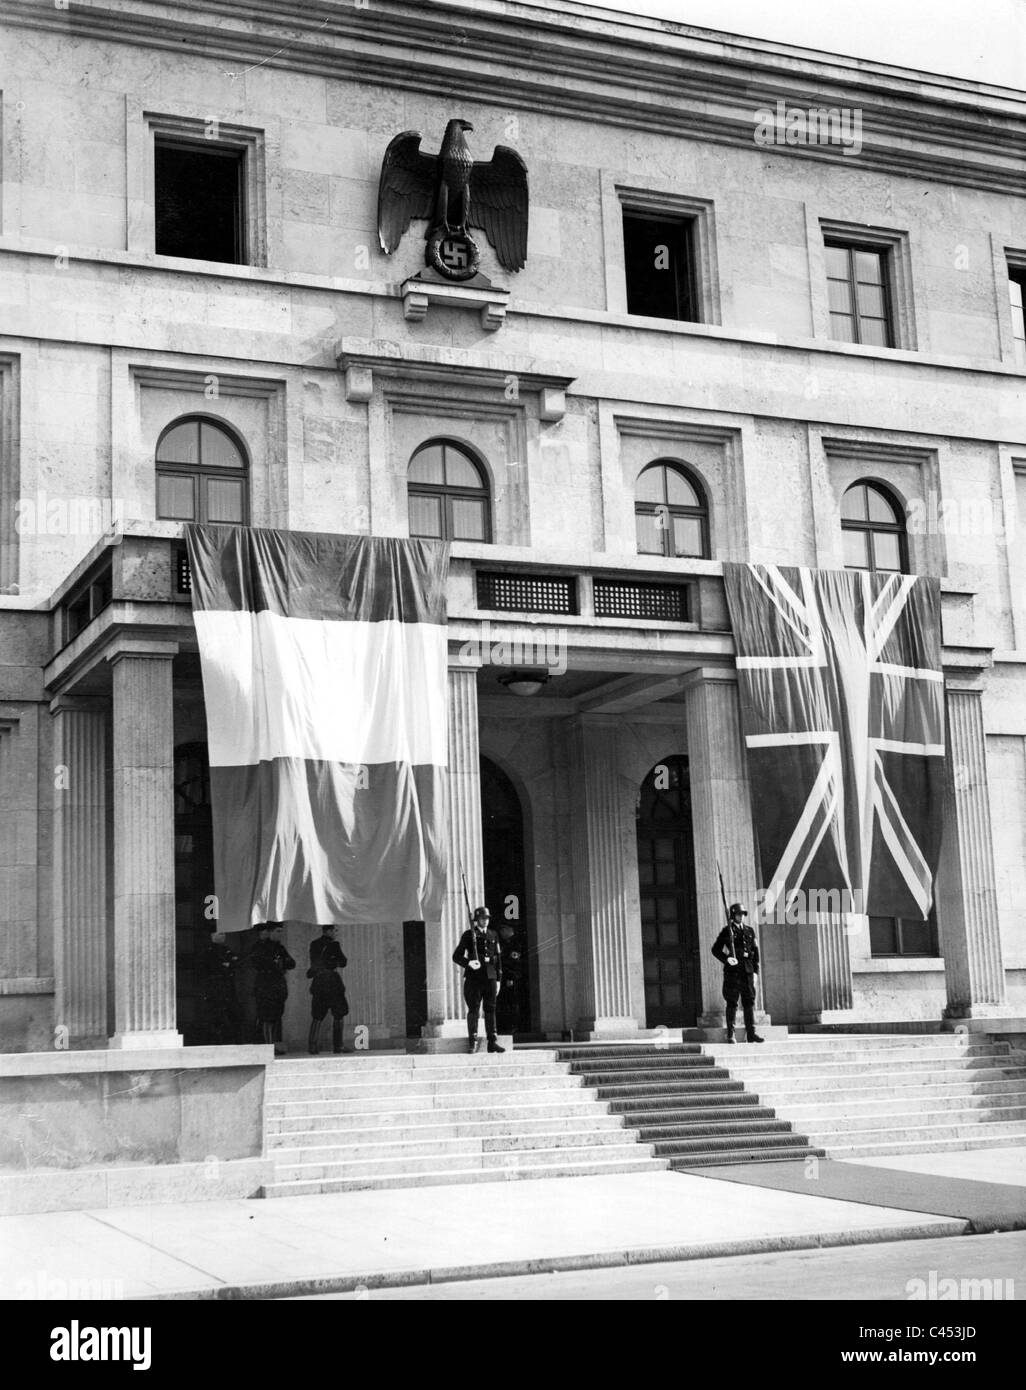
{"points": [[311, 1043]]}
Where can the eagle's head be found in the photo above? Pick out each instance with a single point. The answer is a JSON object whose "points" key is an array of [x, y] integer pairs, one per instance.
{"points": [[454, 132]]}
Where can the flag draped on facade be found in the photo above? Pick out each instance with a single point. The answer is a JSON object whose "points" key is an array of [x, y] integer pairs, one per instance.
{"points": [[842, 710], [324, 673]]}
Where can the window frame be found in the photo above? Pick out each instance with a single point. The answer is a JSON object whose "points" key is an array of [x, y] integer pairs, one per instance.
{"points": [[223, 149], [700, 512], [934, 953], [448, 494], [687, 225], [885, 253], [903, 330], [872, 528], [1017, 276], [200, 473]]}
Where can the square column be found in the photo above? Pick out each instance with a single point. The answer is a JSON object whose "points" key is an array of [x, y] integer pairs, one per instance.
{"points": [[967, 903], [80, 869], [722, 818], [446, 1009], [144, 853], [604, 851]]}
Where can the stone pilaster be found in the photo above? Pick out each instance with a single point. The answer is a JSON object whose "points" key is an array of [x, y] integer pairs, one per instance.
{"points": [[967, 906], [446, 1010], [144, 863], [604, 844], [80, 869], [824, 964], [722, 818]]}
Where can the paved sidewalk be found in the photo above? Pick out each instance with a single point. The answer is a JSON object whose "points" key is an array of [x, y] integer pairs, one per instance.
{"points": [[345, 1241]]}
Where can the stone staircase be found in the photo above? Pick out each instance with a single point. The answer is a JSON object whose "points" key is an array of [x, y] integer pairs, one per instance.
{"points": [[685, 1104], [869, 1094], [350, 1123]]}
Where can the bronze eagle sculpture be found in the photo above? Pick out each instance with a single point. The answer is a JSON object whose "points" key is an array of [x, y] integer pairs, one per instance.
{"points": [[455, 192]]}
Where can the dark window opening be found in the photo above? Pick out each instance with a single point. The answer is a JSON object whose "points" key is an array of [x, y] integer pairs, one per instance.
{"points": [[448, 497], [873, 531], [659, 264], [198, 194], [859, 294], [86, 603], [904, 936], [201, 474]]}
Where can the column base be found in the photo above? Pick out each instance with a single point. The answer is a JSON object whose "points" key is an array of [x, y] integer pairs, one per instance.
{"points": [[139, 1042], [964, 1013], [445, 1028], [602, 1029]]}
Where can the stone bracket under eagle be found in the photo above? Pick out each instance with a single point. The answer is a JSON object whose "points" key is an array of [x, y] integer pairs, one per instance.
{"points": [[454, 192]]}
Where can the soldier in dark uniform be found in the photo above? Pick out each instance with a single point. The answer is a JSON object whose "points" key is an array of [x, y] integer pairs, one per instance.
{"points": [[480, 957], [738, 952], [270, 961], [222, 1016], [327, 990]]}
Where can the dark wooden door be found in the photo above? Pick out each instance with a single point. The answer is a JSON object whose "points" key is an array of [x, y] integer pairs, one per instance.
{"points": [[669, 914], [502, 830]]}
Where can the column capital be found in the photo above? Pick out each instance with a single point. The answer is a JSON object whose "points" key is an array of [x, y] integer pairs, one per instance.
{"points": [[152, 649], [79, 704], [708, 675]]}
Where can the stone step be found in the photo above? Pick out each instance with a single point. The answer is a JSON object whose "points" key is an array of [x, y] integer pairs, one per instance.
{"points": [[402, 1090], [674, 1104], [328, 1130], [686, 1129], [416, 1061], [351, 1072], [705, 1158], [842, 1122], [636, 1163], [747, 1070], [385, 1109], [457, 1149], [751, 1055], [1005, 1131], [864, 1090], [405, 1165], [795, 1145], [882, 1148], [573, 1101]]}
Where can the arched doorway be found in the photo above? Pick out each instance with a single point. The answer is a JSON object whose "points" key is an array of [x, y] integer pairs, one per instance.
{"points": [[502, 830], [669, 911]]}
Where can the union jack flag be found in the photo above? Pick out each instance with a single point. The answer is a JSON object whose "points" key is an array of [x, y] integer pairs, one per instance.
{"points": [[842, 709]]}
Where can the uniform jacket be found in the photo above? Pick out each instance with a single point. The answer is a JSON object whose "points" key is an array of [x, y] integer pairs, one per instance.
{"points": [[739, 942], [325, 954], [487, 951], [270, 960]]}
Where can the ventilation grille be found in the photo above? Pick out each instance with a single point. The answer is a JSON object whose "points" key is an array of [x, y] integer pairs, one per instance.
{"points": [[526, 593], [631, 598]]}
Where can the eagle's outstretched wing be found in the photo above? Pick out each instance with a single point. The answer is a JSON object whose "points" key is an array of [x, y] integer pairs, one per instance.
{"points": [[498, 204], [406, 189]]}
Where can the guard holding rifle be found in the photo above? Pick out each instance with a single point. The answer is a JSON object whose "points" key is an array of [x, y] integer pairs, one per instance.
{"points": [[738, 952], [480, 957]]}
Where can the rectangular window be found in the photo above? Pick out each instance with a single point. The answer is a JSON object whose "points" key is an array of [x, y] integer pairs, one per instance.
{"points": [[199, 197], [1017, 295], [859, 294], [659, 264], [903, 936]]}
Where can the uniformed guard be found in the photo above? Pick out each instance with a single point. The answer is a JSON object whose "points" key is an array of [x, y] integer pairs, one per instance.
{"points": [[326, 990], [222, 1016], [480, 957], [271, 962], [738, 952]]}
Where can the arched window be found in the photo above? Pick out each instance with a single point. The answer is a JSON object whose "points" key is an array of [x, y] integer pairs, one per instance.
{"points": [[670, 512], [202, 473], [873, 530], [448, 494]]}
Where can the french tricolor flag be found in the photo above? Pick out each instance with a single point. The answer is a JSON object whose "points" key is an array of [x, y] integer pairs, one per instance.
{"points": [[324, 663]]}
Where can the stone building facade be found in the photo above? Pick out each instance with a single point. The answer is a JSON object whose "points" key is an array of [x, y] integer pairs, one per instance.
{"points": [[596, 812]]}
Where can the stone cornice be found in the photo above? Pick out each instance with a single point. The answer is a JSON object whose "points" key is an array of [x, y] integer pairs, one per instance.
{"points": [[587, 64]]}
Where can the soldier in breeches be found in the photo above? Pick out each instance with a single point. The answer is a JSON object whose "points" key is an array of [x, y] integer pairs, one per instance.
{"points": [[480, 957], [271, 961], [738, 952], [327, 990]]}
